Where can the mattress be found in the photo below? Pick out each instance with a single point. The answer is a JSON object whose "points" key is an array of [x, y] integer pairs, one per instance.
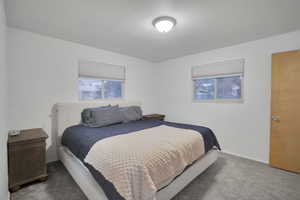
{"points": [[79, 140], [93, 191]]}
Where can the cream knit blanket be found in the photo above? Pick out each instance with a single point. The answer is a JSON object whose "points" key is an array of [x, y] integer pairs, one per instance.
{"points": [[140, 163]]}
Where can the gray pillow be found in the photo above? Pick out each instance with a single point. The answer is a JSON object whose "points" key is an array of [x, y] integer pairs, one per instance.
{"points": [[107, 117], [87, 114], [131, 113], [104, 116]]}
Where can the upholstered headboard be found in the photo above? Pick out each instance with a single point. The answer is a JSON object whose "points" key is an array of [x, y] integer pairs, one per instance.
{"points": [[69, 114]]}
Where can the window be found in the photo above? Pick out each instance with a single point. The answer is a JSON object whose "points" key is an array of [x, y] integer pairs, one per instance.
{"points": [[91, 89], [100, 80], [219, 88], [219, 82], [204, 88], [229, 87]]}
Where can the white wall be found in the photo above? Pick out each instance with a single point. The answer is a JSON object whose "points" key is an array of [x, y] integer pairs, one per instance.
{"points": [[3, 104], [44, 71], [242, 129]]}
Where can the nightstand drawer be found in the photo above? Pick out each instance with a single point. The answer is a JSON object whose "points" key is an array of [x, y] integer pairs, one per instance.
{"points": [[26, 162]]}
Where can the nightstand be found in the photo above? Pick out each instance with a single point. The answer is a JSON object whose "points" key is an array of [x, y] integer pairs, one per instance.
{"points": [[155, 116], [26, 158]]}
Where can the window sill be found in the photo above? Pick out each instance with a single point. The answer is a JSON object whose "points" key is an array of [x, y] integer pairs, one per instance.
{"points": [[104, 100], [225, 101]]}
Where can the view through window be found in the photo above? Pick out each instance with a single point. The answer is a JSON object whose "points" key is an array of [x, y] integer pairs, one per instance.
{"points": [[91, 89], [219, 88]]}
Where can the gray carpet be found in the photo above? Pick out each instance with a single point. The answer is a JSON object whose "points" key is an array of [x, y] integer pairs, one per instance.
{"points": [[230, 178]]}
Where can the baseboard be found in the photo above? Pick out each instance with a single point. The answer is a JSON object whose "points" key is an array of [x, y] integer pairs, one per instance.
{"points": [[52, 160], [242, 156]]}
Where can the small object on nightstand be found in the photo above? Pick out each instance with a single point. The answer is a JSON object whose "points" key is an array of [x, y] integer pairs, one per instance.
{"points": [[26, 158], [155, 116], [14, 132]]}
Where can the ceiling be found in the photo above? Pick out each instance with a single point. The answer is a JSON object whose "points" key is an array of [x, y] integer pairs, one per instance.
{"points": [[125, 26]]}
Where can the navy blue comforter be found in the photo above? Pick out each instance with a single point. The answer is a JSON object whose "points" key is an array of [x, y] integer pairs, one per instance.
{"points": [[79, 140]]}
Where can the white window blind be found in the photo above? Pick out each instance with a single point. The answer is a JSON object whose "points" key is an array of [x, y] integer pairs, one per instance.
{"points": [[101, 70], [219, 69]]}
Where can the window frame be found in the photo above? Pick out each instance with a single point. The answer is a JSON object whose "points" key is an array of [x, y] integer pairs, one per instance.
{"points": [[102, 89], [218, 100]]}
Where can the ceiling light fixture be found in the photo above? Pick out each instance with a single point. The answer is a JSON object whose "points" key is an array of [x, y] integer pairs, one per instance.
{"points": [[164, 24]]}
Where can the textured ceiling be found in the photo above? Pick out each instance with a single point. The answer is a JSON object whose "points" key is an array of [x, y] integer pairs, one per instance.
{"points": [[125, 26]]}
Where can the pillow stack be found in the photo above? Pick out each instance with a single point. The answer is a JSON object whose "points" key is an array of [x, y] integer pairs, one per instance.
{"points": [[108, 115]]}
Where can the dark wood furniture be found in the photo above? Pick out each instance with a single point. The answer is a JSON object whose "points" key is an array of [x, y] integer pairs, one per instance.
{"points": [[26, 158], [155, 116]]}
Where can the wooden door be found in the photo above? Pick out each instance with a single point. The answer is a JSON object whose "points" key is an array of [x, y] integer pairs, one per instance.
{"points": [[285, 125]]}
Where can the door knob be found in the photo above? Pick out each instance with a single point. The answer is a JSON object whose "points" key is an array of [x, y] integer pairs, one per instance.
{"points": [[276, 118]]}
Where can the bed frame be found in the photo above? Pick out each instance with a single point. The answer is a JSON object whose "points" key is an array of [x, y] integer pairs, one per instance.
{"points": [[68, 114]]}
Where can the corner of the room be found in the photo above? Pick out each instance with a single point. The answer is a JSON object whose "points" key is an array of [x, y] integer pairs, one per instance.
{"points": [[4, 194]]}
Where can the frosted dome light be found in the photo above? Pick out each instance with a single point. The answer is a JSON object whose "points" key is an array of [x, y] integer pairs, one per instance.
{"points": [[164, 24]]}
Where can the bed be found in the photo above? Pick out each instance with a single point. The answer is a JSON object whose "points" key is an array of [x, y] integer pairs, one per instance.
{"points": [[67, 116]]}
